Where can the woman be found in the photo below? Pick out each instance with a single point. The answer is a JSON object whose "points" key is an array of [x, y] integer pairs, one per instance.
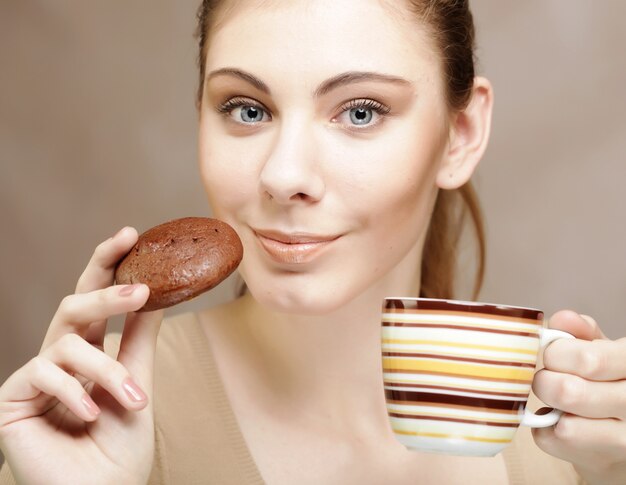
{"points": [[333, 136]]}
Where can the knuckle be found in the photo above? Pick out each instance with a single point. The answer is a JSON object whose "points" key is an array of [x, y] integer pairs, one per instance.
{"points": [[70, 341], [593, 363], [68, 383], [113, 371], [42, 369], [68, 307], [63, 349], [38, 366], [100, 251], [571, 391]]}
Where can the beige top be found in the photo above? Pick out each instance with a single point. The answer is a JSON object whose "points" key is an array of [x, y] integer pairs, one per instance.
{"points": [[198, 440]]}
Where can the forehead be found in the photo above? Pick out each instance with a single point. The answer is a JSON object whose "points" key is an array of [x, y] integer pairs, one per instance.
{"points": [[315, 39]]}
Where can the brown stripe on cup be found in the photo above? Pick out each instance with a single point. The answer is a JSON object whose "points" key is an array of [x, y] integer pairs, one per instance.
{"points": [[459, 327], [464, 401], [454, 420], [433, 388], [457, 374], [459, 359], [462, 306]]}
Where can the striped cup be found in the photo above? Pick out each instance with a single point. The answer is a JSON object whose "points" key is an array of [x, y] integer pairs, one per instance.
{"points": [[457, 374]]}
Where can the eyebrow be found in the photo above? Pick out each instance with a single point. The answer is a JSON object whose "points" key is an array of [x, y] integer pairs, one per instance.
{"points": [[355, 77], [229, 71], [324, 88]]}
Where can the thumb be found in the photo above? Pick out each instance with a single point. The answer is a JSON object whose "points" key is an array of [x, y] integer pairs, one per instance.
{"points": [[138, 346]]}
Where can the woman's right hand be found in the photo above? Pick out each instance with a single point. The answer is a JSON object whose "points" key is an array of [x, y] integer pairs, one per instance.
{"points": [[73, 414]]}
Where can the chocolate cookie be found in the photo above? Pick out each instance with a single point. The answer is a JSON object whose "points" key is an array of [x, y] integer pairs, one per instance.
{"points": [[180, 259]]}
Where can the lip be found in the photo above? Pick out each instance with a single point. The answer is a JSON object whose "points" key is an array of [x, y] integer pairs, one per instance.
{"points": [[295, 247]]}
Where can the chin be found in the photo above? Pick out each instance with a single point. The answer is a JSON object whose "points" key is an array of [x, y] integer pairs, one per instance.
{"points": [[298, 299], [298, 304]]}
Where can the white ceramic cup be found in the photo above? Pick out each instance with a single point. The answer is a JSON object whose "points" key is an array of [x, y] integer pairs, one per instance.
{"points": [[457, 374]]}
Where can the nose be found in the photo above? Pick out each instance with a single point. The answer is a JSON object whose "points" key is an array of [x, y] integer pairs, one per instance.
{"points": [[291, 174]]}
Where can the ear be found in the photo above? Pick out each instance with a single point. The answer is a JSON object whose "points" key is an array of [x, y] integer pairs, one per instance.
{"points": [[469, 134]]}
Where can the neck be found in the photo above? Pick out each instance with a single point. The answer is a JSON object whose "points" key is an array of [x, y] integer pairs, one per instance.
{"points": [[327, 366]]}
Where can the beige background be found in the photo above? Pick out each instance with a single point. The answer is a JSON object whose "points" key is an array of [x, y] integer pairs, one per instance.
{"points": [[98, 130]]}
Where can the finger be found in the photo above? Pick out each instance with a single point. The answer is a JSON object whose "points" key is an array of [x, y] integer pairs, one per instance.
{"points": [[595, 327], [99, 273], [95, 334], [40, 375], [74, 354], [77, 312], [101, 267], [595, 445], [581, 326], [138, 346], [599, 360], [576, 395]]}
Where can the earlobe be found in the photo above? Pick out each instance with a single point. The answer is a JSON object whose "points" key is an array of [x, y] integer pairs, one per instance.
{"points": [[469, 135]]}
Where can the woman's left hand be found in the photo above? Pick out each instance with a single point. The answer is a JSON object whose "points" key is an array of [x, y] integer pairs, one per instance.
{"points": [[586, 378]]}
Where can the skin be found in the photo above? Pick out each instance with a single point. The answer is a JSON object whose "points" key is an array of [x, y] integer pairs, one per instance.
{"points": [[302, 166], [47, 433], [300, 352]]}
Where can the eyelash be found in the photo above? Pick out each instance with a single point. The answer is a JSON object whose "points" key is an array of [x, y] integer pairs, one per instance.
{"points": [[365, 103], [231, 104]]}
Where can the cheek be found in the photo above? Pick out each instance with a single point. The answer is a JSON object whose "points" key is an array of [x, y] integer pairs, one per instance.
{"points": [[227, 171], [390, 178], [397, 215]]}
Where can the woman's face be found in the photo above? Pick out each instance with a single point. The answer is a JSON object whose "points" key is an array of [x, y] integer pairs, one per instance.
{"points": [[322, 127]]}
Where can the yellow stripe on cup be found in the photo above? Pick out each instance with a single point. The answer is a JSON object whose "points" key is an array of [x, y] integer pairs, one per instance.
{"points": [[450, 436], [457, 381], [491, 371], [460, 345]]}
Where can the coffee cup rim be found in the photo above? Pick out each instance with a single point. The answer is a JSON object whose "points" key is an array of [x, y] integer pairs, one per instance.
{"points": [[498, 309]]}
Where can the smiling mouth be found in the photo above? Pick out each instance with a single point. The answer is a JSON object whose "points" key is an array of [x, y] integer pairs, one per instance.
{"points": [[293, 248]]}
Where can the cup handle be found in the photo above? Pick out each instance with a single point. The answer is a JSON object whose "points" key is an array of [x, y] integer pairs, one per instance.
{"points": [[530, 419], [549, 335]]}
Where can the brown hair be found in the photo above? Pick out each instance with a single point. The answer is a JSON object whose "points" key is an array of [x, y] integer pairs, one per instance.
{"points": [[451, 25]]}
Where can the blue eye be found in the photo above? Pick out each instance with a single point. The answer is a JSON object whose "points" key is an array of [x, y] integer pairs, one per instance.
{"points": [[250, 114], [244, 111], [362, 113], [361, 116]]}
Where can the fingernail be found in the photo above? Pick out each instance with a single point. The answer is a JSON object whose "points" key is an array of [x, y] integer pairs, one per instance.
{"points": [[92, 407], [129, 289], [133, 391]]}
